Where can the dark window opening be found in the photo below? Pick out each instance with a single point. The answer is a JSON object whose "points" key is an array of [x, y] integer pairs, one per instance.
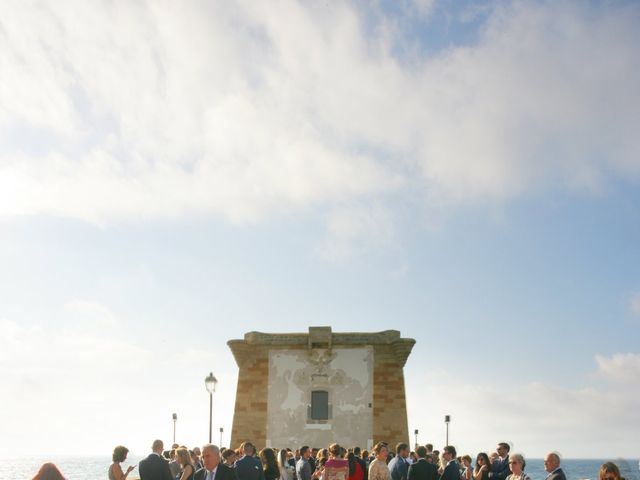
{"points": [[320, 405]]}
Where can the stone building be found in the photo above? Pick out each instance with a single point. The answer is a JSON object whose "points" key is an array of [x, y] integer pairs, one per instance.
{"points": [[319, 387]]}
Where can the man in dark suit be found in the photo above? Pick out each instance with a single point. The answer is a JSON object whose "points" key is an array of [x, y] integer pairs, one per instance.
{"points": [[552, 466], [422, 470], [213, 469], [452, 469], [249, 467], [155, 467], [500, 468]]}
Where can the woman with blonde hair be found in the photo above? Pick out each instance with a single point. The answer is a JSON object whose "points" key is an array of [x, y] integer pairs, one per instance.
{"points": [[183, 458], [609, 471], [467, 472]]}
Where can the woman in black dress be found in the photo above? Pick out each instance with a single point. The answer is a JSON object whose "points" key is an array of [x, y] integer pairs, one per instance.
{"points": [[483, 467], [183, 457], [269, 464]]}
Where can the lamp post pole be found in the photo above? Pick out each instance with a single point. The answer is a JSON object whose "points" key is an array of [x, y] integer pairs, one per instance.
{"points": [[415, 432], [447, 419], [210, 382], [221, 430], [175, 419]]}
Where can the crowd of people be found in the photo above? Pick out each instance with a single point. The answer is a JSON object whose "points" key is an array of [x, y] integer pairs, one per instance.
{"points": [[332, 463]]}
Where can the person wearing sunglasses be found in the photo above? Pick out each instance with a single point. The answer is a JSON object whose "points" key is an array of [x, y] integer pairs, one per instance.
{"points": [[516, 465]]}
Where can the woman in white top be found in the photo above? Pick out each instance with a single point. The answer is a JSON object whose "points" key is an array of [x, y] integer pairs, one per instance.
{"points": [[378, 469], [286, 470]]}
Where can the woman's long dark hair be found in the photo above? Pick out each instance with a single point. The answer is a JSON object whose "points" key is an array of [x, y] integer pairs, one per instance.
{"points": [[269, 462], [485, 457]]}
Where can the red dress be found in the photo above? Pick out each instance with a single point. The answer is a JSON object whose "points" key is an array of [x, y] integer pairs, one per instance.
{"points": [[358, 474]]}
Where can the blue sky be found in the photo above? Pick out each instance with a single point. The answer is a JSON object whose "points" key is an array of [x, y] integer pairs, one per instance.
{"points": [[179, 175]]}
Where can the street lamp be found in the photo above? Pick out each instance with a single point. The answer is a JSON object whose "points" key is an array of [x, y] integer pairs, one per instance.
{"points": [[175, 419], [447, 419], [221, 430], [210, 382], [415, 432]]}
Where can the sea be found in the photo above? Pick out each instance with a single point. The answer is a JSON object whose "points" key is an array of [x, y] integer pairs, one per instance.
{"points": [[95, 468]]}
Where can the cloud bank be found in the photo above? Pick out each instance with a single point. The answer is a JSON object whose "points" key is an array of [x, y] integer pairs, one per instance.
{"points": [[114, 112], [535, 417]]}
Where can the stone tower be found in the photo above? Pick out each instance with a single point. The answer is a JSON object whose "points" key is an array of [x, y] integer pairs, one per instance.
{"points": [[320, 387]]}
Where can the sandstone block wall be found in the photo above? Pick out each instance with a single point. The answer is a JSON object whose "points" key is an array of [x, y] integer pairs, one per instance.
{"points": [[390, 353]]}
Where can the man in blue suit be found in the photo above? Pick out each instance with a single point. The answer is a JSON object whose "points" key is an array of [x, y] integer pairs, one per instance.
{"points": [[398, 466], [249, 467], [452, 469]]}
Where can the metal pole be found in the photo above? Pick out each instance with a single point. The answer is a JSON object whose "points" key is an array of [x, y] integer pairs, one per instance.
{"points": [[210, 415], [175, 419], [447, 419], [221, 430]]}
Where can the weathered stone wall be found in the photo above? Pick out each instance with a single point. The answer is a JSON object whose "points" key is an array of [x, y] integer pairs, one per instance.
{"points": [[388, 420], [346, 376]]}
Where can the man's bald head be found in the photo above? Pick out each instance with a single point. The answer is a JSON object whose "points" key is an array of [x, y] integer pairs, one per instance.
{"points": [[551, 462]]}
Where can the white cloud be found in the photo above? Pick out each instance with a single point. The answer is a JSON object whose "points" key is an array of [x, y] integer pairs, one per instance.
{"points": [[93, 311], [621, 367], [97, 375], [535, 417], [246, 110]]}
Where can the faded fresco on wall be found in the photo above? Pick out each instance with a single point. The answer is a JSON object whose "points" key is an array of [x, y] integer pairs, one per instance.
{"points": [[346, 374]]}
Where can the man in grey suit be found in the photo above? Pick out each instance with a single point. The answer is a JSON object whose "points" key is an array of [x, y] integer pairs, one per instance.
{"points": [[249, 467], [303, 469], [552, 466], [212, 468]]}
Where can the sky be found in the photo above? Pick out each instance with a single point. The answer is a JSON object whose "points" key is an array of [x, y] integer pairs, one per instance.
{"points": [[174, 175]]}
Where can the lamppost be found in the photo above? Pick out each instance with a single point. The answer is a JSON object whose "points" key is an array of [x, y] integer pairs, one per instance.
{"points": [[221, 430], [175, 419], [415, 432], [210, 383], [447, 419]]}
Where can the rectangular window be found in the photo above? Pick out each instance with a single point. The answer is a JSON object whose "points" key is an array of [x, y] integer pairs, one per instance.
{"points": [[319, 405]]}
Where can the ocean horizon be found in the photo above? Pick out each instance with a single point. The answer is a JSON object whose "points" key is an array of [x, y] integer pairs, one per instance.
{"points": [[95, 467]]}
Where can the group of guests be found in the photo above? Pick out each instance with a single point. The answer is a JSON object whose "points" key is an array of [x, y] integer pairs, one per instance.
{"points": [[332, 463]]}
